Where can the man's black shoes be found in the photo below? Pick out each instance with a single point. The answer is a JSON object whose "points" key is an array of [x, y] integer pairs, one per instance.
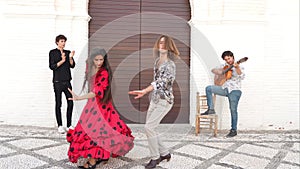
{"points": [[232, 133], [209, 111]]}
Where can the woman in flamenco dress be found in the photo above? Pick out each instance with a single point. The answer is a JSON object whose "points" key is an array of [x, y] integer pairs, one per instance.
{"points": [[99, 133]]}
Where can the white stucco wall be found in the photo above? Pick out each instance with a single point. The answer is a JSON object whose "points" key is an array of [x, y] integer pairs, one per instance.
{"points": [[28, 31], [266, 31]]}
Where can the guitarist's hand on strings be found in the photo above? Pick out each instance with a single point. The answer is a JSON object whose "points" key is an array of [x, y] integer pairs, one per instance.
{"points": [[237, 68], [217, 71]]}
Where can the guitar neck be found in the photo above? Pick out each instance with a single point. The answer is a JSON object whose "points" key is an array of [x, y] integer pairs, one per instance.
{"points": [[238, 62]]}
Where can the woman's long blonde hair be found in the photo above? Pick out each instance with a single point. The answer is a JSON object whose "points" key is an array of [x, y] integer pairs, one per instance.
{"points": [[173, 52]]}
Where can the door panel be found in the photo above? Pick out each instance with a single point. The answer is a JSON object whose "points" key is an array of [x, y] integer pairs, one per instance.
{"points": [[128, 29]]}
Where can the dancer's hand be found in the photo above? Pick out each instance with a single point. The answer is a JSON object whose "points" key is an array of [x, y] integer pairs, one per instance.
{"points": [[74, 96], [139, 93]]}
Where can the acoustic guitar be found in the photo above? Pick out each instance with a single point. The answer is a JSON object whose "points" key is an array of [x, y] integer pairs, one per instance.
{"points": [[226, 74]]}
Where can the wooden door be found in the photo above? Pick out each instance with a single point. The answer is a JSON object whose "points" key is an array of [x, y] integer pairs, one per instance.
{"points": [[128, 29]]}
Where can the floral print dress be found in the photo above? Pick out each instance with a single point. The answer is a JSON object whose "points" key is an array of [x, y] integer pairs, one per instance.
{"points": [[99, 132]]}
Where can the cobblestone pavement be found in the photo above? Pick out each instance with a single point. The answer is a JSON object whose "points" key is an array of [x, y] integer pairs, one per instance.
{"points": [[23, 147]]}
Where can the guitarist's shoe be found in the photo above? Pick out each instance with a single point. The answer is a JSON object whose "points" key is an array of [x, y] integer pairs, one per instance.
{"points": [[232, 133], [209, 111]]}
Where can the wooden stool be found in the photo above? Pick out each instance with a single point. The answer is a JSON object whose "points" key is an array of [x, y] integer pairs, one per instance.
{"points": [[203, 121]]}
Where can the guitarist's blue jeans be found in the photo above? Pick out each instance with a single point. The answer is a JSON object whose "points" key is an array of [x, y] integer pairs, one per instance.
{"points": [[233, 98]]}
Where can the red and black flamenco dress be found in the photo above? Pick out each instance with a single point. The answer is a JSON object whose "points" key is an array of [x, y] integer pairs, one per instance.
{"points": [[99, 132]]}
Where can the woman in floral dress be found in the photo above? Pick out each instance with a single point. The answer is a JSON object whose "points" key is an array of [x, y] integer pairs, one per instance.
{"points": [[162, 98]]}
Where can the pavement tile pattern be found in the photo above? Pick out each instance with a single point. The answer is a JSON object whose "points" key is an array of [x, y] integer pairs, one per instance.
{"points": [[28, 147]]}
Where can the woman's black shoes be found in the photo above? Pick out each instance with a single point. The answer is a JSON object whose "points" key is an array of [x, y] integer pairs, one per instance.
{"points": [[166, 157], [153, 163], [102, 161], [90, 166]]}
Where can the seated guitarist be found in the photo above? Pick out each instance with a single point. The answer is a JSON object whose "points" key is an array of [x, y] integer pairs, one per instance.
{"points": [[230, 88]]}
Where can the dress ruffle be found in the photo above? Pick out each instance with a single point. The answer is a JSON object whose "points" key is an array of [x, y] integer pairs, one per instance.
{"points": [[99, 136], [99, 132]]}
